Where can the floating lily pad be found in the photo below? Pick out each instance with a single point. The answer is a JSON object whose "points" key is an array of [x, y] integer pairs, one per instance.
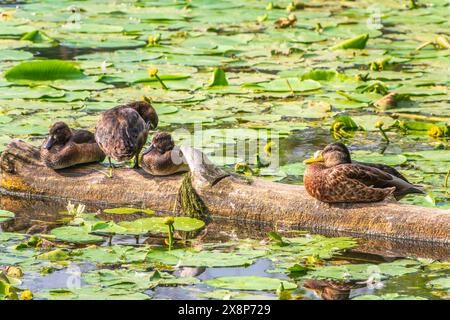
{"points": [[157, 225], [250, 283], [6, 215], [75, 235], [128, 210], [199, 258], [43, 70], [440, 283], [286, 85], [90, 293]]}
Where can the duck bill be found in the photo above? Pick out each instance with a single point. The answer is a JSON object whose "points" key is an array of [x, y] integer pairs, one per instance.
{"points": [[319, 158], [50, 142], [149, 149]]}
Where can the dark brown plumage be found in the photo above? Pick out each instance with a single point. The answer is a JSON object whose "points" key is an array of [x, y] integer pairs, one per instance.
{"points": [[65, 147], [122, 131], [162, 158], [347, 159], [334, 178]]}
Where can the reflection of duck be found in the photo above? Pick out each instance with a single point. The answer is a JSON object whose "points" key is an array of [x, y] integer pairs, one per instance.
{"points": [[332, 177], [331, 290], [122, 131], [159, 158], [191, 272], [65, 147]]}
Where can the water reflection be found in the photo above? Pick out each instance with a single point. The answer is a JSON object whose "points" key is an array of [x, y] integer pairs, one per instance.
{"points": [[36, 216], [331, 290]]}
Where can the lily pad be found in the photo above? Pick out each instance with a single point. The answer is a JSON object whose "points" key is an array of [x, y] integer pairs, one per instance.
{"points": [[128, 210], [187, 258], [6, 215], [43, 70], [250, 283], [75, 235], [286, 85]]}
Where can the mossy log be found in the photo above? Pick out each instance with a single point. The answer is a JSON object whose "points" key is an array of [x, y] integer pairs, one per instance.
{"points": [[224, 196]]}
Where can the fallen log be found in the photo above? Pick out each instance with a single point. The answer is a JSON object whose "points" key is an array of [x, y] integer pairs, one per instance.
{"points": [[224, 195]]}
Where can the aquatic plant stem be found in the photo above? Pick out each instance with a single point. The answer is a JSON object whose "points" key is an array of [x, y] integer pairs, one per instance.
{"points": [[383, 133], [379, 126], [162, 83], [446, 180], [170, 240]]}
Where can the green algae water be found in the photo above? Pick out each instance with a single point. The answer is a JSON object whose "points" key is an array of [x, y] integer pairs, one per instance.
{"points": [[302, 73]]}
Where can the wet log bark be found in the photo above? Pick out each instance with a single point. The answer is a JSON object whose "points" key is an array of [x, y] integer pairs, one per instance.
{"points": [[225, 196]]}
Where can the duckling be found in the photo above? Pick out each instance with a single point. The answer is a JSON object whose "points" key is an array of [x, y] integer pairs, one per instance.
{"points": [[122, 131], [332, 177], [162, 158], [64, 147]]}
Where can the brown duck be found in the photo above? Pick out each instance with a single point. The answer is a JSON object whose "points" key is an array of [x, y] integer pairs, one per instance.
{"points": [[65, 147], [162, 158], [122, 131], [332, 177]]}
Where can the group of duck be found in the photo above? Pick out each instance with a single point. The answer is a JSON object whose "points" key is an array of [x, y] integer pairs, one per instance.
{"points": [[121, 133]]}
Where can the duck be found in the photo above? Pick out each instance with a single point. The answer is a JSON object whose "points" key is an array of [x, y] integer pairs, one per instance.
{"points": [[162, 158], [121, 132], [332, 177], [346, 154], [65, 147]]}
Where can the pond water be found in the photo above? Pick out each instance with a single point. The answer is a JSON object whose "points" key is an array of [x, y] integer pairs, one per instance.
{"points": [[286, 85], [43, 276]]}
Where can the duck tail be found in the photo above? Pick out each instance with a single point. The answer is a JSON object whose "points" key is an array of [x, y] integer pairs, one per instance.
{"points": [[413, 190]]}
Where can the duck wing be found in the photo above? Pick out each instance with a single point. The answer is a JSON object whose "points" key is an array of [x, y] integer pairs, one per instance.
{"points": [[376, 178], [384, 168], [120, 132], [344, 183], [82, 136]]}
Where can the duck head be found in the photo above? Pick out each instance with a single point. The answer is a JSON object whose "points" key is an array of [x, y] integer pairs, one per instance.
{"points": [[59, 134], [147, 112], [162, 141], [332, 155]]}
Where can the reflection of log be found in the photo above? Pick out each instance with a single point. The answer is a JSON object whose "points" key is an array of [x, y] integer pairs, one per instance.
{"points": [[224, 195]]}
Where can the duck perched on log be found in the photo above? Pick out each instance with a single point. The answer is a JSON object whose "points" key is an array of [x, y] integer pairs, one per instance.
{"points": [[65, 147], [162, 158], [331, 177], [122, 131]]}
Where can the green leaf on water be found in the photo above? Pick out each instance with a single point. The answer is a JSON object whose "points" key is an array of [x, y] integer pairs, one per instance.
{"points": [[6, 215], [157, 225], [440, 283], [387, 159], [75, 235], [14, 55], [90, 293], [188, 258], [249, 283], [285, 85], [218, 79], [358, 42], [54, 255], [37, 36], [234, 295], [44, 70], [116, 254], [128, 210]]}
